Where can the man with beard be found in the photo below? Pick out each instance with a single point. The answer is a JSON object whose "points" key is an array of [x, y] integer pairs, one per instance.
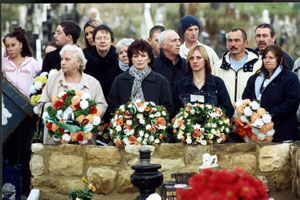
{"points": [[237, 64], [265, 36]]}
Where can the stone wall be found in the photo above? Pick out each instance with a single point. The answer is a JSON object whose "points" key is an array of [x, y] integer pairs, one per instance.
{"points": [[57, 169]]}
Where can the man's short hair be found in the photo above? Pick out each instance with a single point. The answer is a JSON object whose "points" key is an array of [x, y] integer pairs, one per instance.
{"points": [[269, 26], [71, 28], [104, 28], [163, 36], [154, 29], [244, 34]]}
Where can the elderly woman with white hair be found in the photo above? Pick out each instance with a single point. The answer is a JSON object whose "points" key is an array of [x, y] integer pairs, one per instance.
{"points": [[71, 77], [121, 48]]}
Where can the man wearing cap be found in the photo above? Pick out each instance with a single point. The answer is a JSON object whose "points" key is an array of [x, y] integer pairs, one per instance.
{"points": [[190, 27]]}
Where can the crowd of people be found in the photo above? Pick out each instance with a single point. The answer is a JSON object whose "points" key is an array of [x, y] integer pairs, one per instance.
{"points": [[159, 69]]}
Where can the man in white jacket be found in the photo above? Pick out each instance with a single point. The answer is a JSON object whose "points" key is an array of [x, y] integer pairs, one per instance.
{"points": [[190, 27], [237, 64]]}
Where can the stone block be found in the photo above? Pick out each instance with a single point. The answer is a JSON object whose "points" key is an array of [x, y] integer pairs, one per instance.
{"points": [[246, 162], [193, 154], [65, 165], [107, 155], [116, 196], [282, 181], [169, 166], [49, 194], [274, 157], [66, 184], [37, 147], [37, 166], [124, 184], [134, 149], [44, 181], [66, 148], [173, 150], [233, 147], [225, 161], [102, 179]]}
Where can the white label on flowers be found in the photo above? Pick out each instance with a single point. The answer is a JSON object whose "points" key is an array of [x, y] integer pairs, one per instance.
{"points": [[67, 113]]}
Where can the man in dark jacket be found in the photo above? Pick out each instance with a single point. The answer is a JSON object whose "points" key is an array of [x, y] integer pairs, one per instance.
{"points": [[265, 36], [169, 63], [107, 57], [67, 32]]}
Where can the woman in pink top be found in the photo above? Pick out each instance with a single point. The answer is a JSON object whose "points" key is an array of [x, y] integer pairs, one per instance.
{"points": [[19, 67]]}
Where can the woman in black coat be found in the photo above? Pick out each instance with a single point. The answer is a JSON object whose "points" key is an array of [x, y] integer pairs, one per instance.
{"points": [[140, 82], [199, 85], [278, 89]]}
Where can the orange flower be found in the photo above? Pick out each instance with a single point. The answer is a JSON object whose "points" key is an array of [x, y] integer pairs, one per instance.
{"points": [[54, 127], [222, 136], [139, 104], [87, 136], [254, 117], [261, 112], [150, 130], [78, 93], [80, 118], [63, 142], [173, 120], [119, 121], [162, 121], [156, 120], [240, 110], [161, 136], [74, 136], [269, 138], [90, 117], [98, 111], [55, 99], [246, 102], [118, 143], [267, 127], [182, 139], [209, 141], [180, 122], [132, 139], [147, 108], [75, 100]]}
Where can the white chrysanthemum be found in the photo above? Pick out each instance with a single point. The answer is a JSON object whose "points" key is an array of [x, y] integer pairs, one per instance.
{"points": [[45, 115], [198, 139], [146, 135], [204, 142], [151, 116], [88, 127], [131, 131], [32, 89], [218, 133], [209, 106], [156, 141], [164, 113], [141, 133], [62, 93], [66, 137], [141, 109], [179, 136], [85, 96], [129, 122], [261, 136], [144, 142], [259, 122], [151, 138], [148, 126], [247, 111], [127, 132], [38, 85], [139, 139], [227, 130], [157, 114], [197, 126], [58, 114], [182, 127], [239, 103], [244, 119], [226, 121], [266, 118], [142, 121], [97, 120], [270, 132], [214, 125], [122, 108], [256, 131], [219, 140], [130, 106], [118, 128], [36, 110], [139, 116], [254, 105], [189, 141], [44, 74], [213, 131], [83, 142], [84, 104], [210, 136], [152, 103]]}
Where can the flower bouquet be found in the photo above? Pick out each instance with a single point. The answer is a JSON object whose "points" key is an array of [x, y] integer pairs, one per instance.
{"points": [[36, 89], [223, 185], [73, 117], [201, 124], [138, 122], [251, 122], [83, 194]]}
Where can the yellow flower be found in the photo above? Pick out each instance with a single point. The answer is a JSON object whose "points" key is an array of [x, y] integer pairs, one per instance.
{"points": [[92, 187], [32, 100], [84, 180], [42, 79]]}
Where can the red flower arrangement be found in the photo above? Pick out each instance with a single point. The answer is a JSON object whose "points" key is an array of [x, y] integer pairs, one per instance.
{"points": [[223, 185]]}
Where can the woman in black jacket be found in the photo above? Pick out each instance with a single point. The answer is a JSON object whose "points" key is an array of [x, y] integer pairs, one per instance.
{"points": [[140, 82], [278, 89]]}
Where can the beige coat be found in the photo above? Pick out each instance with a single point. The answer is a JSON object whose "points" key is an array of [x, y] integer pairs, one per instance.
{"points": [[57, 83], [235, 82]]}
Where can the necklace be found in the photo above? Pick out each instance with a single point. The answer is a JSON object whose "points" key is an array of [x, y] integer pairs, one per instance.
{"points": [[199, 81]]}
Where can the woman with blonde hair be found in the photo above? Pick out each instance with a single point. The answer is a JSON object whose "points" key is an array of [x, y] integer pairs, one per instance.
{"points": [[199, 85], [88, 34]]}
